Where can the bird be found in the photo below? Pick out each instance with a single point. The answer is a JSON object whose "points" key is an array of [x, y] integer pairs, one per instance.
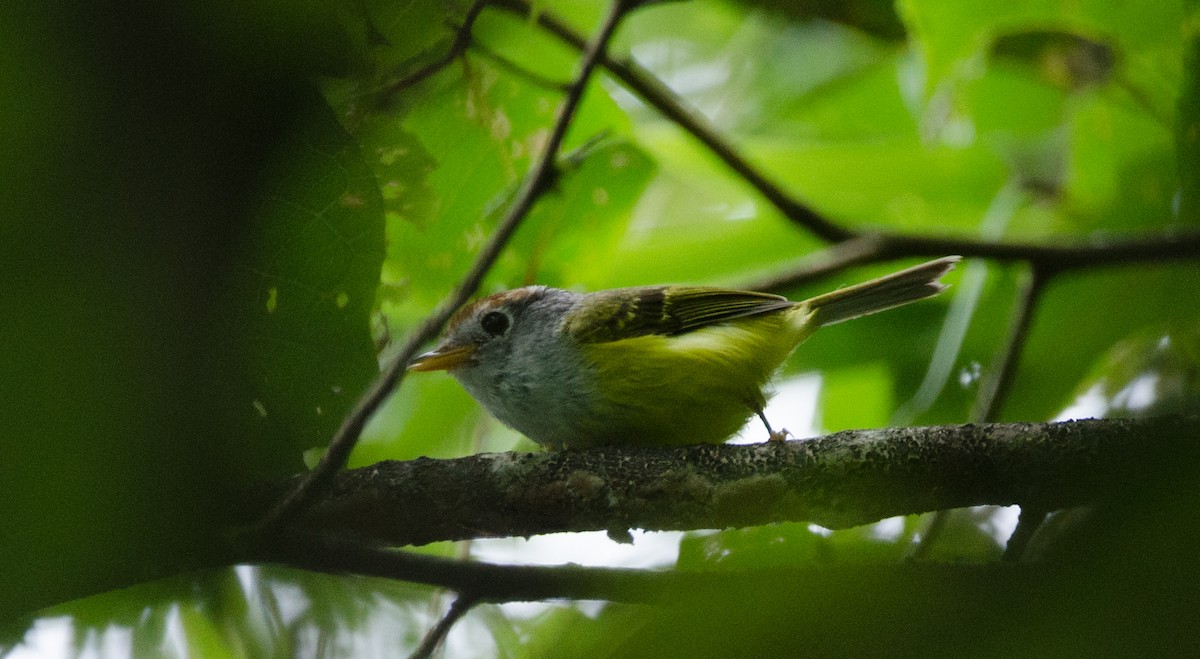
{"points": [[644, 366]]}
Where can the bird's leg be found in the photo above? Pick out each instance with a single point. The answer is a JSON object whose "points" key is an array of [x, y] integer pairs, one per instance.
{"points": [[772, 436]]}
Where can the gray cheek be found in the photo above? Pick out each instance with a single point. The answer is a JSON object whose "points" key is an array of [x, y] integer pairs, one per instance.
{"points": [[496, 390], [509, 393]]}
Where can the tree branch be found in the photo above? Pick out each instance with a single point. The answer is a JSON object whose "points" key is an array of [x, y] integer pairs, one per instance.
{"points": [[1061, 255], [1049, 260], [845, 479], [489, 582]]}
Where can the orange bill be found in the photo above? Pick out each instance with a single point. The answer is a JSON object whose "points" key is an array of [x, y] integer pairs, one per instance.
{"points": [[442, 359]]}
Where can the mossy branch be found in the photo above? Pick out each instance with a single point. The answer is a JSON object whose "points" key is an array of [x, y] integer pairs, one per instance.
{"points": [[845, 479]]}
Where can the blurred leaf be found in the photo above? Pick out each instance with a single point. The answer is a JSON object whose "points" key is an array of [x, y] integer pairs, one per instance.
{"points": [[1153, 372], [567, 631], [131, 236], [856, 397], [1148, 295], [202, 635], [1120, 167], [699, 224], [430, 416], [781, 545], [259, 612], [954, 38], [405, 30], [975, 359], [574, 232], [1187, 128], [912, 186], [877, 17]]}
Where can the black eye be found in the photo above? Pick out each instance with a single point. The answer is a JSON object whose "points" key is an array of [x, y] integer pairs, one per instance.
{"points": [[494, 323]]}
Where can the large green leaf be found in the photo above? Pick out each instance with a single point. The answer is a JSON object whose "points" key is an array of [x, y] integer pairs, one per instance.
{"points": [[196, 274], [302, 296]]}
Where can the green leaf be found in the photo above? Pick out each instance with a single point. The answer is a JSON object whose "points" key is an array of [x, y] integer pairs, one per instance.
{"points": [[303, 298], [856, 396], [1155, 371], [953, 38], [1187, 129]]}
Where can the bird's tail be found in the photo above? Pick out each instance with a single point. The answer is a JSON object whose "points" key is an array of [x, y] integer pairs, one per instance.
{"points": [[889, 291]]}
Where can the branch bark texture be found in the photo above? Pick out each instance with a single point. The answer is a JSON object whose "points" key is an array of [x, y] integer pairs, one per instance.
{"points": [[845, 479]]}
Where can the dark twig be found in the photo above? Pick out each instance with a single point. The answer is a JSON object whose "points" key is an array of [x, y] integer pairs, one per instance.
{"points": [[994, 391], [326, 552], [1027, 525], [462, 40], [995, 388], [434, 638], [934, 527], [490, 582], [536, 183]]}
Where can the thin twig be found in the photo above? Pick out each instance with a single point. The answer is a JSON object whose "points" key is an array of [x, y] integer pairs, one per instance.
{"points": [[536, 183], [1028, 523], [462, 40], [995, 388], [990, 400], [934, 527], [1050, 260], [434, 638], [488, 582]]}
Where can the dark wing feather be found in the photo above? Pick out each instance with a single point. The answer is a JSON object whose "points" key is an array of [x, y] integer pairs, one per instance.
{"points": [[625, 313]]}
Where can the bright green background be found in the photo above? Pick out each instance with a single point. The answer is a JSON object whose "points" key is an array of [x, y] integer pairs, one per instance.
{"points": [[215, 222]]}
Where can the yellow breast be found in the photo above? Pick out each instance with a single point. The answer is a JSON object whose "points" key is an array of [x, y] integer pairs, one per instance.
{"points": [[697, 387]]}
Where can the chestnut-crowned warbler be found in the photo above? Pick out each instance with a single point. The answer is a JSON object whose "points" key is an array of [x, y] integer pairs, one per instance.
{"points": [[653, 365]]}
